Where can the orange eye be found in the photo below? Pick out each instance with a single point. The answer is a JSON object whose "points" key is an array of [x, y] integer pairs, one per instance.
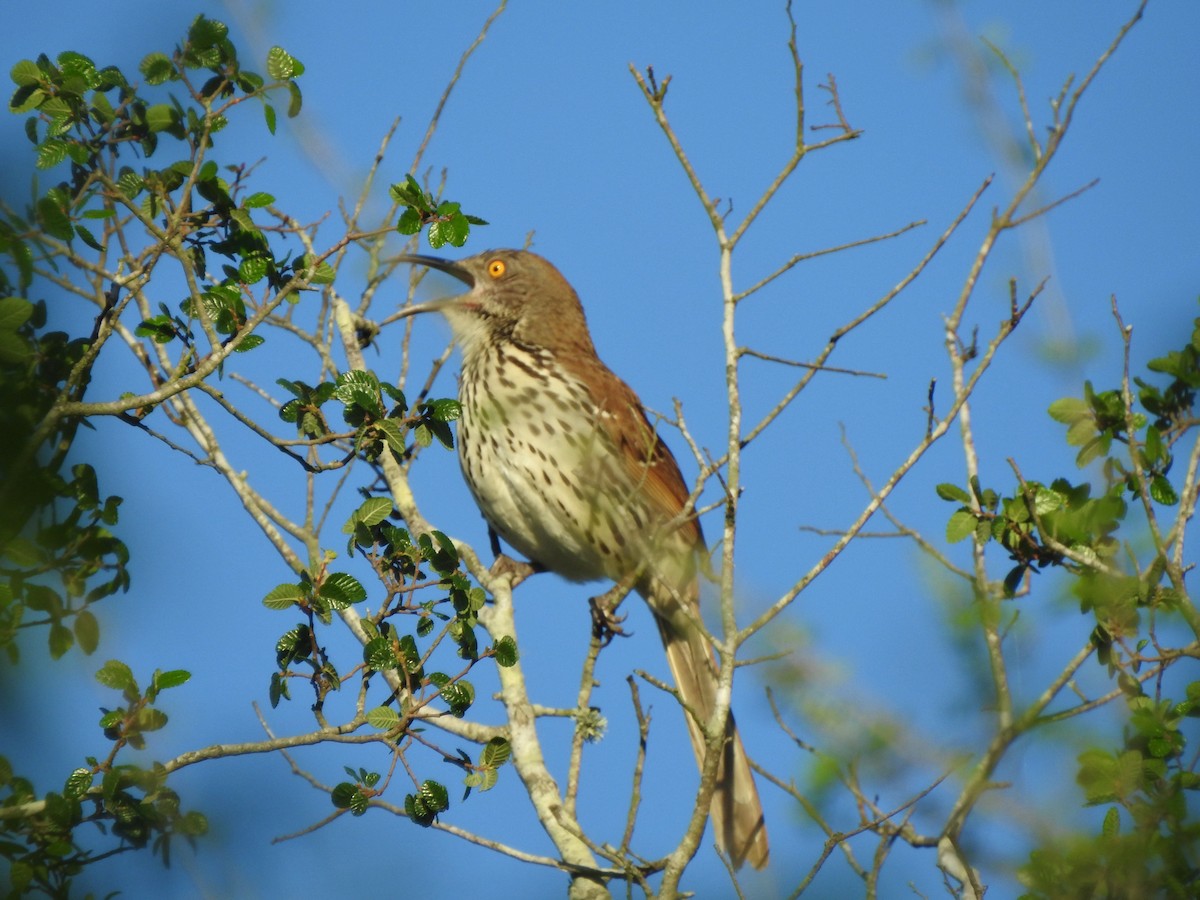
{"points": [[496, 268]]}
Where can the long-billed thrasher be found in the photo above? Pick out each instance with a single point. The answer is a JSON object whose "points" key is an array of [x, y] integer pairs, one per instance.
{"points": [[565, 466]]}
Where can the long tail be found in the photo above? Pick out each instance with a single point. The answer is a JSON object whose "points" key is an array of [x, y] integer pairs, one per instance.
{"points": [[736, 810]]}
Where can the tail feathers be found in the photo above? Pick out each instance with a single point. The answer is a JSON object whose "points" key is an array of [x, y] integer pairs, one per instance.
{"points": [[736, 810]]}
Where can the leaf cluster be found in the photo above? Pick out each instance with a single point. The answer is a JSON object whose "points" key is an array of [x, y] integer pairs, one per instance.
{"points": [[446, 221], [132, 803]]}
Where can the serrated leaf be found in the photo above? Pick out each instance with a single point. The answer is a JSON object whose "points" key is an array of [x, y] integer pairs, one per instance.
{"points": [[61, 639], [295, 100], [343, 795], [1112, 823], [953, 492], [87, 632], [278, 689], [78, 783], [252, 269], [444, 409], [383, 717], [1162, 491], [1047, 501], [249, 342], [130, 183], [446, 545], [25, 72], [284, 596], [435, 795], [506, 651], [495, 753], [156, 68], [393, 433], [280, 64], [115, 674], [55, 219], [960, 525], [14, 312], [259, 199], [409, 222], [373, 511], [171, 678], [161, 116], [88, 238], [322, 271], [339, 585]]}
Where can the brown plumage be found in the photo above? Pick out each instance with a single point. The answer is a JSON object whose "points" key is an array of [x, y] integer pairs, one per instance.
{"points": [[565, 466]]}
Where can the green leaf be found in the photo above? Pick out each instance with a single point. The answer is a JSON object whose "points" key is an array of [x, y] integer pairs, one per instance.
{"points": [[269, 115], [345, 795], [26, 99], [342, 588], [444, 409], [506, 651], [373, 511], [258, 199], [284, 596], [14, 312], [383, 717], [459, 695], [252, 269], [249, 342], [495, 753], [435, 796], [55, 219], [157, 68], [322, 271], [961, 524], [1153, 447], [87, 632], [295, 101], [25, 72], [953, 492], [278, 689], [1162, 491], [14, 348], [379, 655], [447, 547], [1047, 501], [171, 678], [281, 65], [130, 183], [78, 783], [88, 238], [150, 719], [1112, 823], [393, 433], [116, 675], [409, 222], [161, 117], [61, 640]]}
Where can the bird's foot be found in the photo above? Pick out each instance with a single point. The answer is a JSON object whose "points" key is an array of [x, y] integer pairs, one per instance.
{"points": [[516, 570], [606, 624]]}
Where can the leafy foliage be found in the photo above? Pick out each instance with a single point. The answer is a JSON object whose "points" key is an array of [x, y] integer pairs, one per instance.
{"points": [[134, 167], [1149, 843]]}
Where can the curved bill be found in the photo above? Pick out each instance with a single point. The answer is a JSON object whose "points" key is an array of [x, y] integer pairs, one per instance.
{"points": [[442, 265]]}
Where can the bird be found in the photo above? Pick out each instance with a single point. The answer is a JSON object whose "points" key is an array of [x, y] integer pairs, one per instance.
{"points": [[565, 466]]}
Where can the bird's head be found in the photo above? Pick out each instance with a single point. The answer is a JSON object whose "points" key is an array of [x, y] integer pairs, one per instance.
{"points": [[512, 294]]}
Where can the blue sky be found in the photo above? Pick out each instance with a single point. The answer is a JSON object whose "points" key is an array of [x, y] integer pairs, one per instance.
{"points": [[548, 133]]}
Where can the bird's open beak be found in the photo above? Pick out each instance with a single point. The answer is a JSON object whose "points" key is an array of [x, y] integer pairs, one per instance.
{"points": [[443, 265]]}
